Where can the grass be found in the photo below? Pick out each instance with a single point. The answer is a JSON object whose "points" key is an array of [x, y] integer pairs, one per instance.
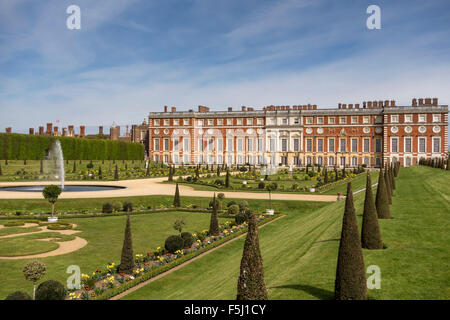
{"points": [[358, 183], [300, 250], [14, 230], [105, 238]]}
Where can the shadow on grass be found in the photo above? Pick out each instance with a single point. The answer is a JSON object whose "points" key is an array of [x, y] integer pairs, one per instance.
{"points": [[316, 292], [328, 240]]}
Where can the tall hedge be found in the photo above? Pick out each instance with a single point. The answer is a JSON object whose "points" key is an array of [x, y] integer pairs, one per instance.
{"points": [[15, 146]]}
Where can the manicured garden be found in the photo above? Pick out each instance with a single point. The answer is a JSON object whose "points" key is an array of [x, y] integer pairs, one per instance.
{"points": [[300, 251]]}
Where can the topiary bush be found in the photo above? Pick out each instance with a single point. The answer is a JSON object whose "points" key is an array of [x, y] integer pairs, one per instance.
{"points": [[230, 203], [107, 207], [240, 218], [174, 243], [261, 185], [127, 206], [243, 205], [18, 295], [50, 290], [233, 209], [117, 206], [187, 238]]}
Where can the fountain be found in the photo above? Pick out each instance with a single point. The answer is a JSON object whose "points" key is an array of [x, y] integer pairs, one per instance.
{"points": [[55, 156]]}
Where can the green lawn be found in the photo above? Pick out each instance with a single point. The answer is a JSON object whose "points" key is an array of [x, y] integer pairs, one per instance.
{"points": [[105, 238], [300, 250]]}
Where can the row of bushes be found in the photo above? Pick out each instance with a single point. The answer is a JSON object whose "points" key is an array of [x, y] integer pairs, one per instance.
{"points": [[15, 146]]}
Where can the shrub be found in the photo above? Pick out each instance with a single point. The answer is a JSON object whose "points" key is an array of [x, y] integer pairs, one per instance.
{"points": [[50, 290], [14, 223], [218, 182], [233, 209], [59, 226], [243, 205], [261, 185], [107, 207], [117, 206], [240, 218], [174, 243], [127, 206], [18, 295], [230, 203], [187, 238]]}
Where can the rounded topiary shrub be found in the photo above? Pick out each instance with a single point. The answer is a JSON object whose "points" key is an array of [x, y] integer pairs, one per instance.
{"points": [[107, 207], [240, 218], [18, 295], [234, 209], [261, 185], [188, 239], [243, 205], [127, 206], [117, 206], [230, 203], [174, 243], [50, 290]]}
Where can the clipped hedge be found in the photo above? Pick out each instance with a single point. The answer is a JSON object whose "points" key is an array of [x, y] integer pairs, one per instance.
{"points": [[16, 146], [14, 223], [59, 226]]}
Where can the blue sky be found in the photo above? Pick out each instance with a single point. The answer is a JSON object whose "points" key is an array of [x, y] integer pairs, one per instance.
{"points": [[131, 57]]}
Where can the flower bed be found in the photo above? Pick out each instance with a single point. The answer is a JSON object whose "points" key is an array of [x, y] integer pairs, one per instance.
{"points": [[104, 284]]}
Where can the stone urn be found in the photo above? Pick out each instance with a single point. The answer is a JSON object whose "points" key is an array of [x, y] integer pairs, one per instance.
{"points": [[312, 189], [52, 219], [270, 212]]}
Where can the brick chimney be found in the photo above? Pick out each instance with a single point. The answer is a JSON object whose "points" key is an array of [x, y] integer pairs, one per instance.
{"points": [[428, 101], [8, 130], [49, 128], [128, 133], [31, 131], [344, 106], [375, 104], [350, 106], [414, 102], [420, 102], [357, 106], [364, 105], [82, 131], [435, 102], [41, 130], [230, 109], [386, 103], [64, 132], [71, 131], [100, 129], [165, 108], [392, 103], [244, 108], [55, 131], [369, 104], [174, 109]]}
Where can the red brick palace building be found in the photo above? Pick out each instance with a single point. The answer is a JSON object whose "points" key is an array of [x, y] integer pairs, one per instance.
{"points": [[374, 133]]}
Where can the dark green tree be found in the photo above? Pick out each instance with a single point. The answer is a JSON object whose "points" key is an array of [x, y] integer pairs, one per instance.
{"points": [[41, 169], [381, 200], [392, 176], [116, 173], [227, 179], [350, 283], [100, 173], [51, 194], [170, 174], [387, 180], [251, 283], [448, 162], [176, 198], [325, 175], [370, 231], [127, 258], [218, 171], [1, 173], [197, 173], [214, 223]]}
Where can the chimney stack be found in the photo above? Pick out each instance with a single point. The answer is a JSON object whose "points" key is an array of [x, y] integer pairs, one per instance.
{"points": [[100, 129], [165, 108], [414, 102], [41, 130], [244, 108], [420, 102], [350, 106], [8, 130], [369, 104], [64, 132], [71, 131], [344, 106], [82, 131], [230, 109], [428, 101], [392, 103], [174, 109], [386, 103], [435, 102], [49, 128], [357, 106], [128, 133], [31, 131]]}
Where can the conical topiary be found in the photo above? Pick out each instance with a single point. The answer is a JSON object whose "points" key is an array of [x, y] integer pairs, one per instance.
{"points": [[251, 284], [170, 174], [387, 180], [391, 174], [325, 176], [127, 258], [41, 169], [381, 200], [1, 173], [214, 223], [448, 163], [176, 198], [227, 179], [116, 173], [350, 283], [370, 231]]}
